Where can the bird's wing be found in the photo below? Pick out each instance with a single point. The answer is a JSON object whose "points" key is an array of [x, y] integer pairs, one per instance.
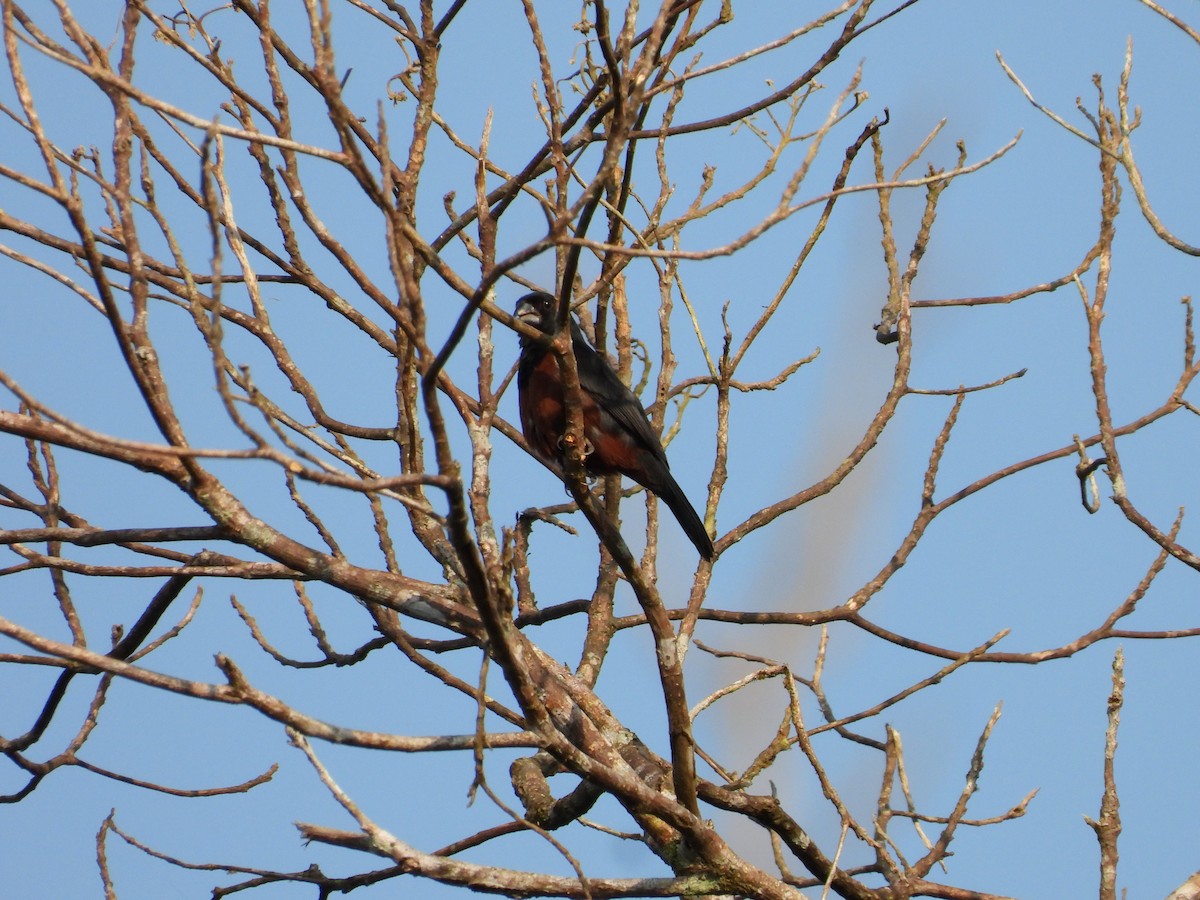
{"points": [[597, 377]]}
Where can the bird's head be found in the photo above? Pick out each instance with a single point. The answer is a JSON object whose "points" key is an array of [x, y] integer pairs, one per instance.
{"points": [[537, 309]]}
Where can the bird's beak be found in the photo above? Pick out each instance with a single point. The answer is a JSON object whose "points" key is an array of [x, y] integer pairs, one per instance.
{"points": [[529, 314]]}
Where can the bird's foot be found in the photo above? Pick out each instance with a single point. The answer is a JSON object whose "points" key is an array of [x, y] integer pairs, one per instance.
{"points": [[567, 443]]}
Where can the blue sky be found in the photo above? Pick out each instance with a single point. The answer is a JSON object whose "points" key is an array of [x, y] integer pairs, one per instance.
{"points": [[1022, 555]]}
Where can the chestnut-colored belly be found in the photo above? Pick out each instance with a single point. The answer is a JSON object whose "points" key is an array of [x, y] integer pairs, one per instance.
{"points": [[544, 421]]}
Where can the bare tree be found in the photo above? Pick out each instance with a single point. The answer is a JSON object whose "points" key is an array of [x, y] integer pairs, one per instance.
{"points": [[301, 228]]}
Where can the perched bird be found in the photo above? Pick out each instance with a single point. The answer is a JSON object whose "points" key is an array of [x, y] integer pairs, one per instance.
{"points": [[619, 436]]}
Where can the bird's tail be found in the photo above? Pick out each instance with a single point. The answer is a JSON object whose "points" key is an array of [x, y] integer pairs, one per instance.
{"points": [[671, 493]]}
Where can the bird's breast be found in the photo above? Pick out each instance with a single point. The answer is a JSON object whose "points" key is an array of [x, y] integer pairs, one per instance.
{"points": [[544, 421]]}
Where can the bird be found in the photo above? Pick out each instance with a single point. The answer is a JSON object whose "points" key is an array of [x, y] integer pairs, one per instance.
{"points": [[618, 434]]}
